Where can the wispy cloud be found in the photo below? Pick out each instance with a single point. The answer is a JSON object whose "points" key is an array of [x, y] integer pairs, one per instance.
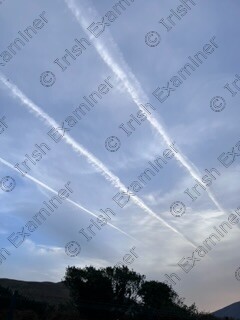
{"points": [[117, 64], [67, 199], [97, 164]]}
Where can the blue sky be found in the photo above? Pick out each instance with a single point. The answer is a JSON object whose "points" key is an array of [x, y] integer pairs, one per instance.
{"points": [[135, 70]]}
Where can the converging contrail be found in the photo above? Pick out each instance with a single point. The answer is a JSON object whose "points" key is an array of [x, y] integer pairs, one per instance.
{"points": [[36, 181], [115, 181], [133, 87]]}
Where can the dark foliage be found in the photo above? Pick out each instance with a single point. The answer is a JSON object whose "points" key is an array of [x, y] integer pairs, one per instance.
{"points": [[122, 294], [15, 306], [105, 294]]}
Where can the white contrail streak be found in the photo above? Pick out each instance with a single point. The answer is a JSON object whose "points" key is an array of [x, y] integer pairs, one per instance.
{"points": [[16, 93], [36, 181], [137, 94]]}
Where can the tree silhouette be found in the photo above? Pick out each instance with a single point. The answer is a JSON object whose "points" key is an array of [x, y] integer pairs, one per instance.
{"points": [[156, 294], [119, 293], [125, 283], [11, 303], [90, 290]]}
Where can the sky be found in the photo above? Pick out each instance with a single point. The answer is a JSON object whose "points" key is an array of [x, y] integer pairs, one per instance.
{"points": [[124, 56]]}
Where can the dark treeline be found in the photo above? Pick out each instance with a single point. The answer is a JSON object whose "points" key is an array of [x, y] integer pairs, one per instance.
{"points": [[105, 294], [119, 293]]}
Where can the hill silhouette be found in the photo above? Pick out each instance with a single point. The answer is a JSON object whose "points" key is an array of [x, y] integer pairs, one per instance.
{"points": [[49, 292], [90, 294], [231, 311]]}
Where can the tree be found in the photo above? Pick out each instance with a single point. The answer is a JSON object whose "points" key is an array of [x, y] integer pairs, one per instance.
{"points": [[107, 290], [156, 294], [119, 293], [125, 283], [13, 303], [90, 290]]}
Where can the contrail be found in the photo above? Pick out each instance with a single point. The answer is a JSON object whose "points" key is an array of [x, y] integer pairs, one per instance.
{"points": [[135, 90], [115, 181], [67, 199]]}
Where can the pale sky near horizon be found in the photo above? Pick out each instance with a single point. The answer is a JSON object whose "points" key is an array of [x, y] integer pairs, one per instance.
{"points": [[129, 70]]}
